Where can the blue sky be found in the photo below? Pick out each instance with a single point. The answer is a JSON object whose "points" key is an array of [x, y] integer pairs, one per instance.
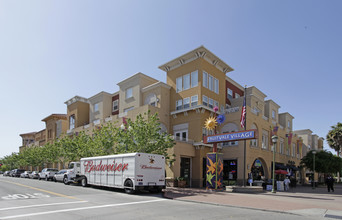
{"points": [[51, 51]]}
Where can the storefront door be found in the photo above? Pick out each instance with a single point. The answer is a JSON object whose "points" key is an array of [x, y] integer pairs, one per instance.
{"points": [[186, 169]]}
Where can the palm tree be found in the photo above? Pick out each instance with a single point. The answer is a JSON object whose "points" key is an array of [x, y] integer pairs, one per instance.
{"points": [[334, 138]]}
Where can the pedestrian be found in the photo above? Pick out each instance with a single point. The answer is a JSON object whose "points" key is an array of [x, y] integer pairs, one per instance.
{"points": [[287, 182], [330, 183]]}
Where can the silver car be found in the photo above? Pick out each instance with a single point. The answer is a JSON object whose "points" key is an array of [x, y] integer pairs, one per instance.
{"points": [[25, 174], [58, 177], [34, 175]]}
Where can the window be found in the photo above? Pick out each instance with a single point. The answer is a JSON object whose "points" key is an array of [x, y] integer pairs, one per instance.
{"points": [[237, 95], [129, 93], [264, 139], [216, 104], [194, 79], [181, 135], [96, 107], [293, 150], [186, 81], [254, 142], [229, 93], [179, 104], [186, 103], [194, 100], [205, 79], [49, 133], [210, 86], [216, 86], [288, 124], [281, 146], [211, 103], [179, 84], [115, 105], [205, 100], [72, 122], [273, 114]]}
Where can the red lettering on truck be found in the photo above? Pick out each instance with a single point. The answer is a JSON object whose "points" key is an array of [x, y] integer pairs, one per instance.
{"points": [[89, 166]]}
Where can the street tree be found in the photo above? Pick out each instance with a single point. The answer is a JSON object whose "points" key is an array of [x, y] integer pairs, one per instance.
{"points": [[334, 138], [325, 162]]}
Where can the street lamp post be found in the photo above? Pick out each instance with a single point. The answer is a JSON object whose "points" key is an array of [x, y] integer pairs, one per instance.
{"points": [[274, 141], [313, 178]]}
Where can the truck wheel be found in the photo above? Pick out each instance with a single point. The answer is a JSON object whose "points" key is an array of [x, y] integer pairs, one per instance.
{"points": [[84, 182], [129, 186], [65, 180]]}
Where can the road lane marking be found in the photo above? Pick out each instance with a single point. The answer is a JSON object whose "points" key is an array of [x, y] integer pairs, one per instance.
{"points": [[42, 190], [82, 208], [41, 205]]}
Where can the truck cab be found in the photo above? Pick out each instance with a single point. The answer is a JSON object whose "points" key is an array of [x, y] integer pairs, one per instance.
{"points": [[72, 174]]}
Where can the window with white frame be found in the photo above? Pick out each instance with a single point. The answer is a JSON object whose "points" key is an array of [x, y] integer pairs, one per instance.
{"points": [[205, 79], [205, 100], [229, 93], [288, 124], [96, 107], [216, 85], [293, 150], [281, 146], [186, 81], [181, 135], [129, 93], [211, 103], [210, 82], [179, 104], [72, 121], [216, 103], [194, 100], [186, 103], [254, 142], [179, 84], [194, 79], [264, 139], [273, 114], [115, 105]]}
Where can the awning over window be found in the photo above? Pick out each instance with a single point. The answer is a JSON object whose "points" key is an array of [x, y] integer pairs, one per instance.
{"points": [[281, 172]]}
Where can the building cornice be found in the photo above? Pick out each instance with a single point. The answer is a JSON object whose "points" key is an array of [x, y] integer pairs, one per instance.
{"points": [[200, 52], [76, 99], [55, 116], [155, 85]]}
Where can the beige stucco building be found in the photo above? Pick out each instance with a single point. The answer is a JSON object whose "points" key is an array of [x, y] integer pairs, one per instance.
{"points": [[196, 82]]}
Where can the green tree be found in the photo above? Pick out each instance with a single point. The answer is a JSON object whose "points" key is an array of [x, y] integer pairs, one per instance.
{"points": [[334, 138], [144, 135], [325, 162]]}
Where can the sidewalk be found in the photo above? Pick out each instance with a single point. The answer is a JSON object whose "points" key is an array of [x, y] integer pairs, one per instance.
{"points": [[301, 200]]}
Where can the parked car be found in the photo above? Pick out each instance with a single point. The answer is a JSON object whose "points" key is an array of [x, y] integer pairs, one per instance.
{"points": [[34, 175], [25, 174], [58, 177], [47, 173], [11, 173], [17, 172], [1, 172], [7, 173]]}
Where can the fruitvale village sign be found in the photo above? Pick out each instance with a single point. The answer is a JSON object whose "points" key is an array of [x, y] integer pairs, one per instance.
{"points": [[234, 136]]}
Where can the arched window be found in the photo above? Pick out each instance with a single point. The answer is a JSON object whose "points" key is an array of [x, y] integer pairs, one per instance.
{"points": [[254, 142], [151, 99], [228, 128]]}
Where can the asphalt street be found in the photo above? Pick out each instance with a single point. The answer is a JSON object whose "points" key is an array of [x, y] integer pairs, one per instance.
{"points": [[34, 199]]}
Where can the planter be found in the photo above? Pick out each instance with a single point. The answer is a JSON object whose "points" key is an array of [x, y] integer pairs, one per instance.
{"points": [[181, 183]]}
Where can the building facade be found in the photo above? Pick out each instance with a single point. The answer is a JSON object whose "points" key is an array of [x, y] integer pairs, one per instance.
{"points": [[196, 83]]}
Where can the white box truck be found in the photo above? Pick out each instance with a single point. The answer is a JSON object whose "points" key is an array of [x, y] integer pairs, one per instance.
{"points": [[131, 172]]}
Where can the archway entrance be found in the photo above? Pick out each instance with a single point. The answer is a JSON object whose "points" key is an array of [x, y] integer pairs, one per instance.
{"points": [[257, 170]]}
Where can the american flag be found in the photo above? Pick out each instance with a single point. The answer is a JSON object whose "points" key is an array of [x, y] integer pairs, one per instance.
{"points": [[243, 114]]}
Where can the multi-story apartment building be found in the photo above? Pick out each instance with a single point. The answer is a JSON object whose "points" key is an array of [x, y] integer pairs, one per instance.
{"points": [[196, 83]]}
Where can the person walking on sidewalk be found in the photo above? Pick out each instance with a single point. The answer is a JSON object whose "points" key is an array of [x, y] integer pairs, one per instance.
{"points": [[330, 183], [287, 182]]}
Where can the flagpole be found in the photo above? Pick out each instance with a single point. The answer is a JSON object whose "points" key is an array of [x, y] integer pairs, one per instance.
{"points": [[244, 146]]}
